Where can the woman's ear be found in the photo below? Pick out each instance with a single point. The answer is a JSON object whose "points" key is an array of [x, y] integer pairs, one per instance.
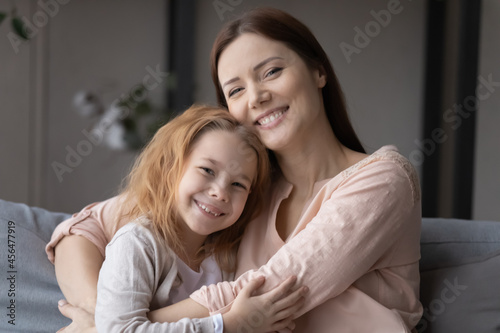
{"points": [[320, 77]]}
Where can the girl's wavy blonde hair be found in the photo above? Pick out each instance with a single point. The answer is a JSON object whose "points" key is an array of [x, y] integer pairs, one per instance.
{"points": [[151, 187]]}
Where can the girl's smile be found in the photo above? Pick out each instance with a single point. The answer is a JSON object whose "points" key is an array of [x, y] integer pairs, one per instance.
{"points": [[214, 187]]}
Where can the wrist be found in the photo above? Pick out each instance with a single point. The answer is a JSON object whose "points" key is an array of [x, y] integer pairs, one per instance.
{"points": [[230, 324], [88, 304]]}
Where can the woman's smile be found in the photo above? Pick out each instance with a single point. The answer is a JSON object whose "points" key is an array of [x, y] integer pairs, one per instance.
{"points": [[269, 86], [271, 118]]}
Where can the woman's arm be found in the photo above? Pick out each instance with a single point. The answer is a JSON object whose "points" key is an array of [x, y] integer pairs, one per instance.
{"points": [[139, 271], [275, 309], [356, 227], [77, 264], [77, 250]]}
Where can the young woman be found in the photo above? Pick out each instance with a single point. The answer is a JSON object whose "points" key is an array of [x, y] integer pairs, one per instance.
{"points": [[187, 197], [347, 224]]}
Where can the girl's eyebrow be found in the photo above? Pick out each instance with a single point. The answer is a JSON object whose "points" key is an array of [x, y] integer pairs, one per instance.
{"points": [[256, 67], [219, 165]]}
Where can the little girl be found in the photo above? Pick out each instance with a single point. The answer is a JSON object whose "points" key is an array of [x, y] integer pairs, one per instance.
{"points": [[190, 195]]}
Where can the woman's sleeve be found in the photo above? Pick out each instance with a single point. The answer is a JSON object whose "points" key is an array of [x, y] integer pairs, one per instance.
{"points": [[353, 232], [95, 222], [127, 283]]}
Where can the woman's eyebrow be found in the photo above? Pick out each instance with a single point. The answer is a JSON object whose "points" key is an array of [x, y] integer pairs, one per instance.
{"points": [[234, 79], [265, 61]]}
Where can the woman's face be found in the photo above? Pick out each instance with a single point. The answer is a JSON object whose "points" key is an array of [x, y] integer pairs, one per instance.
{"points": [[269, 87]]}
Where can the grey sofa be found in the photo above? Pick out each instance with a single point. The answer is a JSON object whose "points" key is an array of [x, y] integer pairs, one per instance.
{"points": [[460, 271], [460, 276]]}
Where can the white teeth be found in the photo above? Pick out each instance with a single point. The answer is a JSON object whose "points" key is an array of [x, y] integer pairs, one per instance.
{"points": [[270, 118], [207, 210]]}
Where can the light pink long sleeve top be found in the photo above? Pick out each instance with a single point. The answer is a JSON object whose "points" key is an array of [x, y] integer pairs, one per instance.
{"points": [[96, 222], [356, 246]]}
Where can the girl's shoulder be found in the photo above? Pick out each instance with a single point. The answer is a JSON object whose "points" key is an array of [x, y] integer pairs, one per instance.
{"points": [[138, 230]]}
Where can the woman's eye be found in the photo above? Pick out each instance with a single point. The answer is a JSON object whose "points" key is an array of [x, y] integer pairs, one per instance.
{"points": [[207, 170], [234, 91], [273, 71]]}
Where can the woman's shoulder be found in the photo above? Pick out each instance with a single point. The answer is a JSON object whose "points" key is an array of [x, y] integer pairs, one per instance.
{"points": [[386, 162]]}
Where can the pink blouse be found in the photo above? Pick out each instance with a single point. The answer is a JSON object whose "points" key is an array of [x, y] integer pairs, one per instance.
{"points": [[96, 222], [356, 246]]}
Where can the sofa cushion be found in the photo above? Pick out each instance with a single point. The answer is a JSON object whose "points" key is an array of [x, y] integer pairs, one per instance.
{"points": [[29, 289], [464, 298], [452, 242], [460, 276]]}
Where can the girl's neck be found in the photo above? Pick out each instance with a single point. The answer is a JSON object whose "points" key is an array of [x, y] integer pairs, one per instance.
{"points": [[191, 244]]}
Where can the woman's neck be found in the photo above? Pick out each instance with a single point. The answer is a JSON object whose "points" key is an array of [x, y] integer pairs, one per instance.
{"points": [[307, 161]]}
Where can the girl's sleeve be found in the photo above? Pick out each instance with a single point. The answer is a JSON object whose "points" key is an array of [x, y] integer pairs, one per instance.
{"points": [[353, 233], [127, 282]]}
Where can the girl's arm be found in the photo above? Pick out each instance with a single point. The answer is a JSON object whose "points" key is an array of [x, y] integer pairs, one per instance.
{"points": [[139, 271], [351, 233]]}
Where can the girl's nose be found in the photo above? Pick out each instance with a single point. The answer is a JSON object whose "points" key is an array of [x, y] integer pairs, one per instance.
{"points": [[219, 192]]}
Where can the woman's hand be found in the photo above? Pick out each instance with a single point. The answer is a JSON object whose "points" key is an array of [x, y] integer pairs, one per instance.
{"points": [[83, 321], [269, 312]]}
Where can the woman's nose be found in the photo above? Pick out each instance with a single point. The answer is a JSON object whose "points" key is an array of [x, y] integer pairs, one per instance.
{"points": [[257, 96]]}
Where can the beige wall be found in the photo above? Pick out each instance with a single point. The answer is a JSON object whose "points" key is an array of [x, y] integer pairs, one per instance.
{"points": [[14, 117]]}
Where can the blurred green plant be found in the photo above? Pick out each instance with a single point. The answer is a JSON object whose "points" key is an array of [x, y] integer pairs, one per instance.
{"points": [[141, 122], [16, 23]]}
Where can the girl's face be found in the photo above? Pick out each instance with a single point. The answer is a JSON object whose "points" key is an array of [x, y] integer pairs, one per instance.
{"points": [[269, 87], [217, 178]]}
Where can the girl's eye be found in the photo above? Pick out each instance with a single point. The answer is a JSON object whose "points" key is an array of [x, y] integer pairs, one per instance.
{"points": [[208, 170], [239, 185], [273, 71], [234, 91]]}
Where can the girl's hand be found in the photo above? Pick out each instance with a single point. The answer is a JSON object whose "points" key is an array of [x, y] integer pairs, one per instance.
{"points": [[269, 312], [82, 321]]}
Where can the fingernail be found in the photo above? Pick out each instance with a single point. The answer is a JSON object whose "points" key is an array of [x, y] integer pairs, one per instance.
{"points": [[62, 302], [306, 290]]}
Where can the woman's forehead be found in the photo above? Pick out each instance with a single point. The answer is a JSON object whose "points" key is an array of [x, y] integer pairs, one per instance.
{"points": [[248, 51]]}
